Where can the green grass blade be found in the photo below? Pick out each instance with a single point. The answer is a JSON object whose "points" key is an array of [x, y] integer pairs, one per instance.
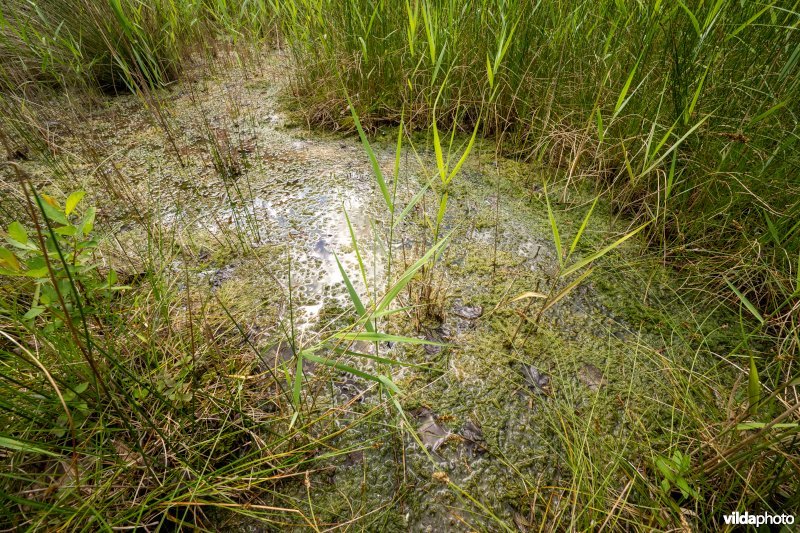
{"points": [[464, 156], [581, 229], [566, 290], [416, 198], [409, 274], [597, 255], [360, 309], [747, 303], [383, 337], [554, 228], [376, 167], [354, 242]]}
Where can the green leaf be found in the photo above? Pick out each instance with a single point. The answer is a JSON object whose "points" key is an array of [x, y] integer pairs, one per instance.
{"points": [[600, 130], [466, 153], [753, 384], [67, 231], [621, 99], [597, 255], [8, 259], [383, 337], [692, 18], [566, 290], [383, 360], [747, 303], [54, 214], [87, 224], [416, 198], [747, 426], [17, 232], [391, 386], [20, 446], [376, 167], [72, 201], [408, 275], [770, 111], [582, 228], [437, 148], [33, 312], [663, 156], [356, 248], [40, 272], [360, 309], [340, 366], [554, 227]]}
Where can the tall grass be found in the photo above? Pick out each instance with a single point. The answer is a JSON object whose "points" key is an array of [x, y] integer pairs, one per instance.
{"points": [[117, 45], [688, 109]]}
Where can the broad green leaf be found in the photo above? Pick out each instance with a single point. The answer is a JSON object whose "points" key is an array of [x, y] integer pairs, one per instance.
{"points": [[37, 272], [17, 232], [8, 259], [87, 224], [72, 201], [54, 214], [33, 312], [67, 231]]}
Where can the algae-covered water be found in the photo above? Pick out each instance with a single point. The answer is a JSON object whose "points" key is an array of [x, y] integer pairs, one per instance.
{"points": [[256, 209]]}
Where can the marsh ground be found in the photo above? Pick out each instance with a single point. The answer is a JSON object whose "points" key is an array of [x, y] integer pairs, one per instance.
{"points": [[559, 422]]}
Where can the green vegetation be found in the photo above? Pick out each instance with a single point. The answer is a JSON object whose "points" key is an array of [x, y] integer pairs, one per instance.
{"points": [[555, 287]]}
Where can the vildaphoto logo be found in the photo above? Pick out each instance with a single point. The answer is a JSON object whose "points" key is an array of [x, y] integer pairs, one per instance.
{"points": [[745, 518]]}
